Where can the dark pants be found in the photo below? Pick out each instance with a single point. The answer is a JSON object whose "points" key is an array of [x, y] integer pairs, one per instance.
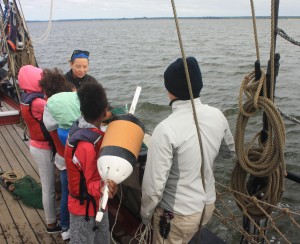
{"points": [[64, 212]]}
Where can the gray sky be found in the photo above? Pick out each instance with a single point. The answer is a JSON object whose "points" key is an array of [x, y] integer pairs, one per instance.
{"points": [[87, 9]]}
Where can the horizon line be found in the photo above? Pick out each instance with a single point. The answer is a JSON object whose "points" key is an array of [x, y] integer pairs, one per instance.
{"points": [[140, 18]]}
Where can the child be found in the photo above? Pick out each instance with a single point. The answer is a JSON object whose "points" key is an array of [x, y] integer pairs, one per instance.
{"points": [[32, 108], [81, 154], [53, 82]]}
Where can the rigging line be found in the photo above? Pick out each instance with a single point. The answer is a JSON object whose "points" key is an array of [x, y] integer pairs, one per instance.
{"points": [[255, 30], [274, 17], [22, 17], [11, 60], [284, 35], [116, 217], [44, 37], [288, 117], [192, 102]]}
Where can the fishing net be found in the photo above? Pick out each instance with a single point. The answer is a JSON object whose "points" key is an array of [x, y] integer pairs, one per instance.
{"points": [[29, 191], [116, 111]]}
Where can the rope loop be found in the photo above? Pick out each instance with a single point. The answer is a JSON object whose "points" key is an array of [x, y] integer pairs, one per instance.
{"points": [[251, 88], [12, 176], [260, 168]]}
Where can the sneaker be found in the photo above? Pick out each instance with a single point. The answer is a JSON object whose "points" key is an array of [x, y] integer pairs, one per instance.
{"points": [[54, 230], [65, 235]]}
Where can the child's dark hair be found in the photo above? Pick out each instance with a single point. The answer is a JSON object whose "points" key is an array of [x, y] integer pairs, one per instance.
{"points": [[93, 100], [53, 81]]}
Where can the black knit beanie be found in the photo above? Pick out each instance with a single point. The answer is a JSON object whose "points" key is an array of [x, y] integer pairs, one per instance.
{"points": [[175, 78]]}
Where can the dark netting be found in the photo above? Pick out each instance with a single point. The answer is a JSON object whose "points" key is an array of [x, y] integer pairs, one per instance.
{"points": [[29, 191]]}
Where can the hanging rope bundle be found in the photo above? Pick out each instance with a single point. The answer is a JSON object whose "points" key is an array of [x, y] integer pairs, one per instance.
{"points": [[260, 169], [258, 159]]}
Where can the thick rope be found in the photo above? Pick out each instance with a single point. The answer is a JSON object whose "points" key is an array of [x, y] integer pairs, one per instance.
{"points": [[289, 117], [12, 176], [284, 35], [271, 193], [255, 30], [192, 102], [272, 51], [254, 157]]}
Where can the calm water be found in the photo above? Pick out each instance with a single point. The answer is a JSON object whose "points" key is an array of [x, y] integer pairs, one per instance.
{"points": [[127, 53]]}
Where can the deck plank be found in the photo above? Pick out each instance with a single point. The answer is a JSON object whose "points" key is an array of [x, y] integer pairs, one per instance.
{"points": [[15, 158], [20, 220], [13, 141], [10, 231], [27, 225], [2, 237], [23, 218], [20, 131], [22, 151], [9, 209]]}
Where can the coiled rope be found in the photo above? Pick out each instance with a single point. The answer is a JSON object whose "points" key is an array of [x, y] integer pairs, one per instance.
{"points": [[258, 158], [260, 161], [11, 176]]}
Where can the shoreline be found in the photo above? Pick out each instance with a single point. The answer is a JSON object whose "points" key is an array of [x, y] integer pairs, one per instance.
{"points": [[160, 18]]}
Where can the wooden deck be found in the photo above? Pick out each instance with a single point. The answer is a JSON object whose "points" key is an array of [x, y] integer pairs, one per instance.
{"points": [[19, 223]]}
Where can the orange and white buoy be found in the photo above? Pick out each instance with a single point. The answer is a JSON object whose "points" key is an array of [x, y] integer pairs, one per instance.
{"points": [[119, 150], [120, 147]]}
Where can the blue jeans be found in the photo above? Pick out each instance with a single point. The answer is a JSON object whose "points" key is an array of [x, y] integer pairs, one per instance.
{"points": [[64, 212]]}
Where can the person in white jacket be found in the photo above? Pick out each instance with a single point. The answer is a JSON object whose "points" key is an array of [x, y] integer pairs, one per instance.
{"points": [[173, 195]]}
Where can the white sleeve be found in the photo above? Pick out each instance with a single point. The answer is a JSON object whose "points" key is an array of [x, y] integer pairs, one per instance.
{"points": [[158, 165], [49, 122], [227, 146]]}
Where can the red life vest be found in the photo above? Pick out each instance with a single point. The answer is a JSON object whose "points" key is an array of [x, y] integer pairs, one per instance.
{"points": [[76, 180], [60, 149], [33, 124]]}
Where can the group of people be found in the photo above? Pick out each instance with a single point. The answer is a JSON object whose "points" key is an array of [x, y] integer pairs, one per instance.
{"points": [[64, 115], [82, 107]]}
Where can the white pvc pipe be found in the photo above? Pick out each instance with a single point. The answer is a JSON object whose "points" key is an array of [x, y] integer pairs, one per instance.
{"points": [[9, 113], [135, 99]]}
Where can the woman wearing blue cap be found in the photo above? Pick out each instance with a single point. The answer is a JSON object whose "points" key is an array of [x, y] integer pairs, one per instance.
{"points": [[79, 64]]}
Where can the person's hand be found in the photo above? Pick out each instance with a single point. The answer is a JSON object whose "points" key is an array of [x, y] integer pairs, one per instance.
{"points": [[112, 188], [108, 116]]}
